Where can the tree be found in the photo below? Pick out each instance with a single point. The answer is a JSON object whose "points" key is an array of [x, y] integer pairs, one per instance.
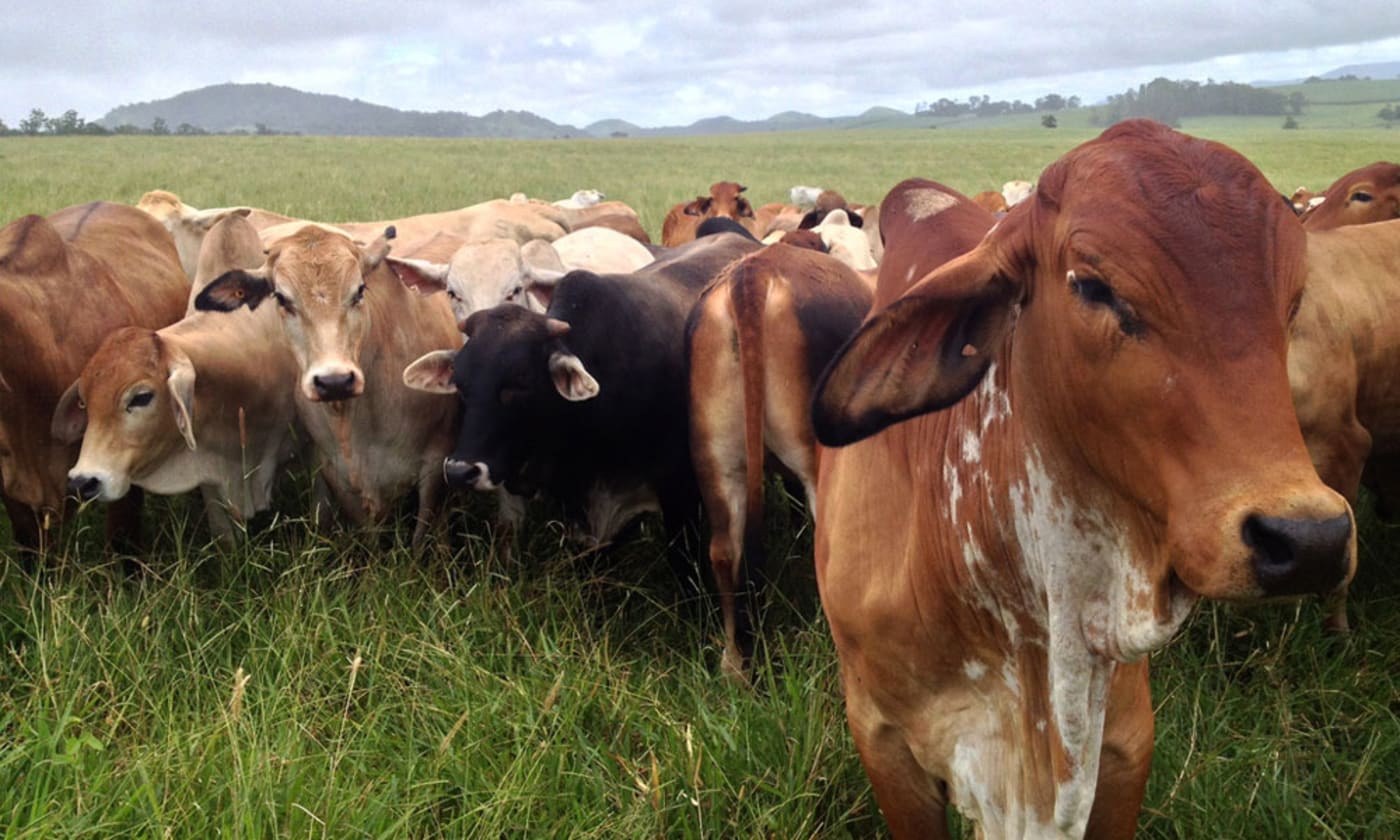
{"points": [[1050, 102], [69, 123], [1049, 121], [35, 123], [159, 126], [1289, 122], [1296, 101], [1389, 114]]}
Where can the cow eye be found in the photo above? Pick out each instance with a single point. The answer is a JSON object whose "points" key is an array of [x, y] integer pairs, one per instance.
{"points": [[1361, 195], [451, 295], [1094, 291], [140, 399], [359, 296], [515, 293]]}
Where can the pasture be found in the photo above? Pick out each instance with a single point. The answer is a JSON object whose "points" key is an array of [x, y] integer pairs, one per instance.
{"points": [[319, 685]]}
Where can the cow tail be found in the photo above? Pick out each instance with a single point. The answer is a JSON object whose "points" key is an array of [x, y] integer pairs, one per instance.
{"points": [[748, 291]]}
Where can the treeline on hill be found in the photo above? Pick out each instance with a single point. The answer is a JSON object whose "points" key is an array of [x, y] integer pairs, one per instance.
{"points": [[1169, 101], [984, 106], [39, 122]]}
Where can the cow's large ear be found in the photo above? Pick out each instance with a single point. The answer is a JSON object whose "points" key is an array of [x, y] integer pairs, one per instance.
{"points": [[420, 275], [180, 381], [69, 417], [375, 252], [571, 379], [206, 219], [543, 271], [925, 351], [431, 372], [233, 289]]}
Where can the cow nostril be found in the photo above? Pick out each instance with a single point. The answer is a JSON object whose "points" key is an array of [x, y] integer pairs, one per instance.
{"points": [[334, 386], [1298, 556], [84, 488]]}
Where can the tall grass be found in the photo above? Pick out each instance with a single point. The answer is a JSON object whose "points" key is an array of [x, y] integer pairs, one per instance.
{"points": [[336, 686]]}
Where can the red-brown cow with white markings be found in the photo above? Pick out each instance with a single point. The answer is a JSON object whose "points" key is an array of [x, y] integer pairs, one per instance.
{"points": [[1052, 448]]}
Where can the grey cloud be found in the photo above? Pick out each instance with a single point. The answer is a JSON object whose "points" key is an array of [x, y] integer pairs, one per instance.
{"points": [[577, 61]]}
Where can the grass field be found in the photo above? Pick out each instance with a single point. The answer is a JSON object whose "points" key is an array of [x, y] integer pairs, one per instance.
{"points": [[334, 686]]}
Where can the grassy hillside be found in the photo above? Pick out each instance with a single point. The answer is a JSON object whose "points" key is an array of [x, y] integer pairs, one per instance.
{"points": [[335, 686]]}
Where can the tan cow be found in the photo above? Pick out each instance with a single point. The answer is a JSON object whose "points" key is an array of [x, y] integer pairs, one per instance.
{"points": [[1051, 448], [203, 403], [353, 327], [188, 225], [480, 275], [65, 283], [756, 342], [724, 201], [495, 219]]}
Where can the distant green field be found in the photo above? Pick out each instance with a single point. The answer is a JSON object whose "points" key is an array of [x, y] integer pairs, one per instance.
{"points": [[1349, 92], [334, 686]]}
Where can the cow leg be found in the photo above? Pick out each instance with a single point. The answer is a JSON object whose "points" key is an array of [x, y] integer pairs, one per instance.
{"points": [[27, 532], [717, 446], [913, 804], [510, 515], [430, 493], [1126, 755], [124, 532], [679, 509]]}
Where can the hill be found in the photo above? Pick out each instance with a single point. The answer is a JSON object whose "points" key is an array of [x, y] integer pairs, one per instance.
{"points": [[245, 107]]}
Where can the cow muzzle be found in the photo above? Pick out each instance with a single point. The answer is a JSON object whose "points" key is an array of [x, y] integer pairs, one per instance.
{"points": [[84, 488], [461, 474], [1299, 556], [334, 385]]}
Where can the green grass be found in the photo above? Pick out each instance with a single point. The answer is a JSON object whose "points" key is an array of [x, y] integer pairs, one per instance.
{"points": [[334, 686]]}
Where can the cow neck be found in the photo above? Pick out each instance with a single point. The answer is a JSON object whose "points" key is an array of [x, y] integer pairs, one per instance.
{"points": [[1038, 566]]}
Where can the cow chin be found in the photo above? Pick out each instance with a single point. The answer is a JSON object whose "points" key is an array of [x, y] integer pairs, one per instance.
{"points": [[1150, 613]]}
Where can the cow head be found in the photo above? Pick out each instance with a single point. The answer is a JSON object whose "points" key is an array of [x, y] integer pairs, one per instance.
{"points": [[515, 375], [479, 276], [1137, 307], [320, 280], [187, 225], [1369, 194], [133, 407], [724, 200]]}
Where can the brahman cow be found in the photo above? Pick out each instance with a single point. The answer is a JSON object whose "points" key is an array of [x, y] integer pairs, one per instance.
{"points": [[496, 219], [480, 275], [205, 403], [65, 283], [585, 402], [756, 342], [1365, 195], [353, 327], [1097, 433], [724, 201]]}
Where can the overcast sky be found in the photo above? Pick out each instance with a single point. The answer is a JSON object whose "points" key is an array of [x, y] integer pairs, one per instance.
{"points": [[672, 63]]}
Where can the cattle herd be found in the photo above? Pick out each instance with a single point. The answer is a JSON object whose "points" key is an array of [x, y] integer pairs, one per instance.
{"points": [[1033, 429]]}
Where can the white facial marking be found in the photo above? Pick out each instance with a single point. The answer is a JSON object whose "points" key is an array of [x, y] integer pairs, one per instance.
{"points": [[974, 670]]}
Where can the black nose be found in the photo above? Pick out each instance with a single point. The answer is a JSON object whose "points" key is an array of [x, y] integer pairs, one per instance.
{"points": [[84, 488], [460, 473], [334, 386], [1298, 556]]}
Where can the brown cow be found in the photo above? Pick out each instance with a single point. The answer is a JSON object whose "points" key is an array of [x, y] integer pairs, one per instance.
{"points": [[203, 403], [724, 201], [1111, 440], [353, 327], [913, 210], [65, 283], [991, 201], [756, 341], [1369, 194]]}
